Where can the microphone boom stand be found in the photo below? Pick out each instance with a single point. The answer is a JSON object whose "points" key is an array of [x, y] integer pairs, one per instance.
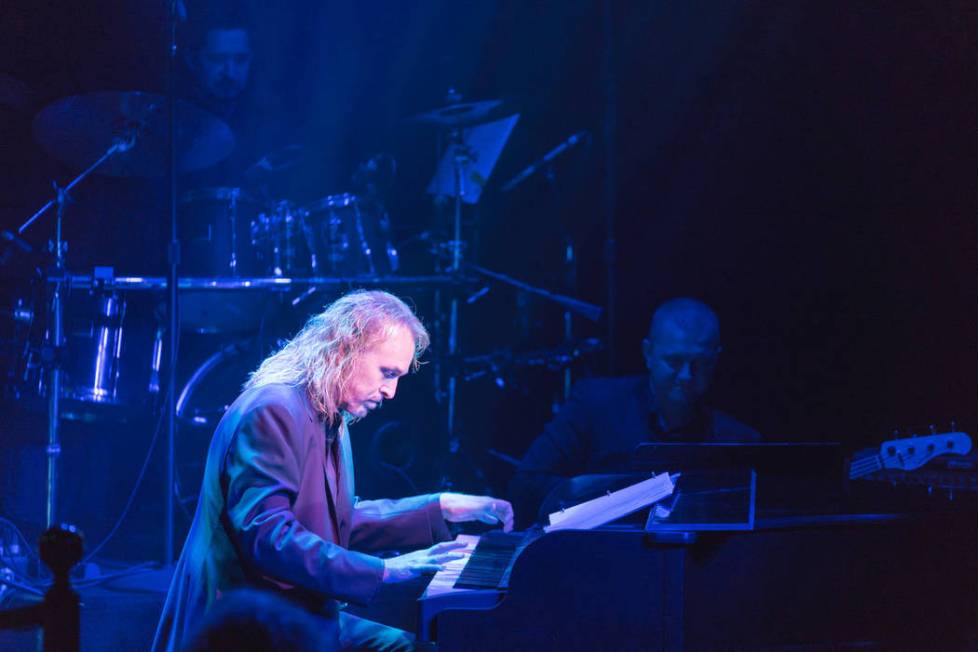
{"points": [[56, 336]]}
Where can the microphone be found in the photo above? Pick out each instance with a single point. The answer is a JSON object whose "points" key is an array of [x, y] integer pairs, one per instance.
{"points": [[571, 141]]}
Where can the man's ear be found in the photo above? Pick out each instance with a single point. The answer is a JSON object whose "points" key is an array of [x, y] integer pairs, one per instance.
{"points": [[646, 350]]}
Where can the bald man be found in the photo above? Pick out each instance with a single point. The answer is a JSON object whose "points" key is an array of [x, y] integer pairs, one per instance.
{"points": [[604, 419]]}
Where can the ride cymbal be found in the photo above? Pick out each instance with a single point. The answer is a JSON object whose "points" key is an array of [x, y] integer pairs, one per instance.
{"points": [[78, 130]]}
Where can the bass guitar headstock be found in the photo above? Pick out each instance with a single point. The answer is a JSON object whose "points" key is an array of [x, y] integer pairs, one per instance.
{"points": [[913, 452]]}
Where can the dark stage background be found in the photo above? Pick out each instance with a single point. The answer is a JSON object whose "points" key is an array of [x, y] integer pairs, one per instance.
{"points": [[806, 168]]}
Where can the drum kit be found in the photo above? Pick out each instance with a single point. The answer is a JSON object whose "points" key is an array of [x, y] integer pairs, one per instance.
{"points": [[231, 233], [93, 344]]}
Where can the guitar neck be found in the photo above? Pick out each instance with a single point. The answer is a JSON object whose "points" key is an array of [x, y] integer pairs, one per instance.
{"points": [[865, 465]]}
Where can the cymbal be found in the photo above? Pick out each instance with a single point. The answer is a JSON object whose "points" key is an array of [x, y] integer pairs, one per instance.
{"points": [[463, 114], [79, 129], [280, 160]]}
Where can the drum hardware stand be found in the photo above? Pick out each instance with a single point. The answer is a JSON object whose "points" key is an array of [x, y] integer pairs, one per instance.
{"points": [[570, 268], [462, 156], [175, 12], [480, 149], [56, 324], [476, 134], [571, 306], [546, 165], [589, 311]]}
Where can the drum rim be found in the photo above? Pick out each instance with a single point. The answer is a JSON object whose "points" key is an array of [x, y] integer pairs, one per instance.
{"points": [[218, 193], [337, 200]]}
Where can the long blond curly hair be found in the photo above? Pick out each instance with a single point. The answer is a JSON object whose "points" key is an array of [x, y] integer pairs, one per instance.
{"points": [[323, 355]]}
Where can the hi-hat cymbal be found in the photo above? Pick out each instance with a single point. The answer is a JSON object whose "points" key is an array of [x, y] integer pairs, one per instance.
{"points": [[78, 130], [463, 114], [277, 161]]}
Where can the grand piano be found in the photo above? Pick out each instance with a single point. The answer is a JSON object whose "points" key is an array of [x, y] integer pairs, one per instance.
{"points": [[842, 579]]}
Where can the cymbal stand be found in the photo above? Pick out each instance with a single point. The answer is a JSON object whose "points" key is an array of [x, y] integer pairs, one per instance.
{"points": [[460, 159], [176, 11], [570, 273], [53, 449]]}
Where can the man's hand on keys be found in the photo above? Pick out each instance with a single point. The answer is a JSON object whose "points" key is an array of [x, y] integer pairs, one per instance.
{"points": [[413, 564]]}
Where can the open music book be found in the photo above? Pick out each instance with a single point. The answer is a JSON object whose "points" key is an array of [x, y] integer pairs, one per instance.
{"points": [[613, 505]]}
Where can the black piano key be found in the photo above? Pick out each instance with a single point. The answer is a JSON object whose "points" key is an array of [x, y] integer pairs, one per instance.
{"points": [[492, 560]]}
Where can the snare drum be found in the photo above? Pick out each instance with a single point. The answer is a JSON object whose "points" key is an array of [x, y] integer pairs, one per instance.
{"points": [[348, 235]]}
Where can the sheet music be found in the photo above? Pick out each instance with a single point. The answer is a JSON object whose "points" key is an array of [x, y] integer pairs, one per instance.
{"points": [[616, 504], [486, 142]]}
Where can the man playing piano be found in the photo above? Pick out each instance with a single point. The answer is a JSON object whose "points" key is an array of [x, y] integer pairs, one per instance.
{"points": [[277, 509], [604, 419]]}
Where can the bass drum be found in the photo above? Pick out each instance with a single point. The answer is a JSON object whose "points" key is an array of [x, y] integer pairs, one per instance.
{"points": [[208, 385]]}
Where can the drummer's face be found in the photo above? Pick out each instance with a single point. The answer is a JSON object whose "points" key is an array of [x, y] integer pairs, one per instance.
{"points": [[224, 62]]}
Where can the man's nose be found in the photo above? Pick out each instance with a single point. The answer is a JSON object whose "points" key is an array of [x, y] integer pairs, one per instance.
{"points": [[685, 372], [388, 389]]}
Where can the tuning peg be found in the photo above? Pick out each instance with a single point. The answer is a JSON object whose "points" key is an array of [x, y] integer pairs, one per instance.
{"points": [[954, 426], [933, 429]]}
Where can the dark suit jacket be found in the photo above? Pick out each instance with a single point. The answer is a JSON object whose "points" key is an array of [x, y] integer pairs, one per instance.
{"points": [[277, 510], [597, 430]]}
